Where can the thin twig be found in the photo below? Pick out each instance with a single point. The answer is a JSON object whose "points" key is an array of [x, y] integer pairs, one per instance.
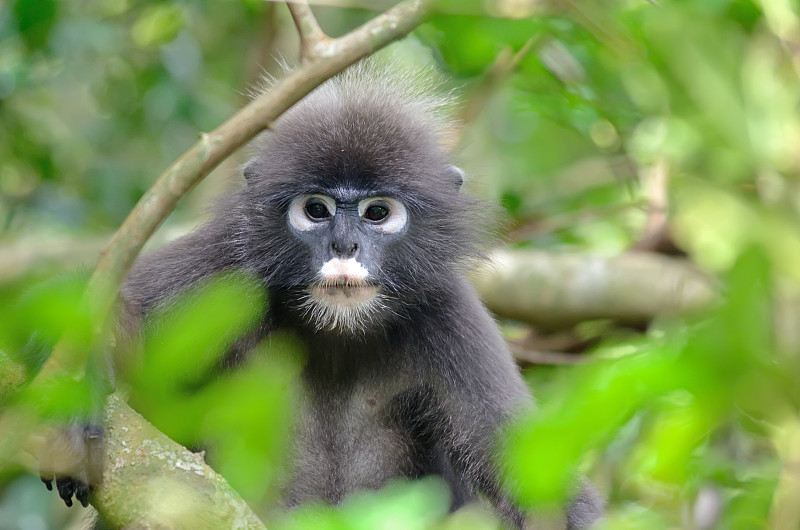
{"points": [[552, 358], [312, 38], [657, 236], [503, 66], [533, 227]]}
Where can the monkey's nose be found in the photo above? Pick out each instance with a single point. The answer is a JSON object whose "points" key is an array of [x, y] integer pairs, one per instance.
{"points": [[344, 250]]}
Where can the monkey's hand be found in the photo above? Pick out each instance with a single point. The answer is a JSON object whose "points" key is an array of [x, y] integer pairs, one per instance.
{"points": [[73, 457]]}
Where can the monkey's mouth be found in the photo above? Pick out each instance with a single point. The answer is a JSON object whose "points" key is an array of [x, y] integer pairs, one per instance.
{"points": [[345, 293]]}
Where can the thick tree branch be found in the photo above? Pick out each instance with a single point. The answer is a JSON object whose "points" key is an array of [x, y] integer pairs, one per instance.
{"points": [[554, 291], [149, 481], [213, 147]]}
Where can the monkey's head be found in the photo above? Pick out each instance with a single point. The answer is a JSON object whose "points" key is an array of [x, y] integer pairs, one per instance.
{"points": [[353, 205]]}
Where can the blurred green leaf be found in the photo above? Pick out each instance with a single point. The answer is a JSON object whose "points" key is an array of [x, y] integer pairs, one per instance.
{"points": [[35, 20], [191, 335], [157, 24], [400, 505], [96, 98]]}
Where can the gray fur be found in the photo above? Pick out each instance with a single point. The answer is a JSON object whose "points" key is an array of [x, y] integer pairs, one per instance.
{"points": [[426, 386]]}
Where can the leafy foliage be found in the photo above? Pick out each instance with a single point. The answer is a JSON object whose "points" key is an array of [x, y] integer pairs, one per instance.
{"points": [[584, 119]]}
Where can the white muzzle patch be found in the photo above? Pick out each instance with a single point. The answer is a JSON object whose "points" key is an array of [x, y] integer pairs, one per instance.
{"points": [[343, 299], [343, 271]]}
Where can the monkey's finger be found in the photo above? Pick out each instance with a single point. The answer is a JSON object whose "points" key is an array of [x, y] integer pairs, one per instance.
{"points": [[82, 492], [83, 483], [66, 488], [48, 482]]}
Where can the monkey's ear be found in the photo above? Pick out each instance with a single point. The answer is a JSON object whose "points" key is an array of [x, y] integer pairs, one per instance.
{"points": [[455, 175], [250, 172]]}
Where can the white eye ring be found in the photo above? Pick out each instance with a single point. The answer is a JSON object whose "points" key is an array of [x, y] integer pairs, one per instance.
{"points": [[392, 223], [298, 217]]}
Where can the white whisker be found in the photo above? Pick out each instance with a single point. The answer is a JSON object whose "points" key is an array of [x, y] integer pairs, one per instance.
{"points": [[326, 313]]}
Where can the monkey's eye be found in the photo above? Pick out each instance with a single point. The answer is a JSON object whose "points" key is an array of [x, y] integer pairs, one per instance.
{"points": [[307, 212], [376, 212], [316, 209], [383, 214]]}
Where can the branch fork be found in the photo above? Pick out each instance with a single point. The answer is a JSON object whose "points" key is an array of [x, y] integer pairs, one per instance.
{"points": [[314, 43]]}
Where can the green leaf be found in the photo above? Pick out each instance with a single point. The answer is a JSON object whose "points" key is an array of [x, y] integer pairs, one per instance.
{"points": [[157, 25]]}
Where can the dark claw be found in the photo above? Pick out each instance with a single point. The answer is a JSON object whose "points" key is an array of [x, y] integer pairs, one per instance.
{"points": [[48, 482]]}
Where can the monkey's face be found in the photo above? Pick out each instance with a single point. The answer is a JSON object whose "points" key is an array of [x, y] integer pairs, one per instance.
{"points": [[345, 235], [354, 213]]}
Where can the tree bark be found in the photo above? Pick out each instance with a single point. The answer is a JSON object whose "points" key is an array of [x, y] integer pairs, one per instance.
{"points": [[555, 291], [149, 481]]}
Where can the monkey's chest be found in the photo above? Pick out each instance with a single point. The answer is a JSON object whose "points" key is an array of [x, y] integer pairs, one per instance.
{"points": [[351, 440]]}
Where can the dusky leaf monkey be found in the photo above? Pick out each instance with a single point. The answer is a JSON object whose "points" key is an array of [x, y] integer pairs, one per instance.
{"points": [[354, 221]]}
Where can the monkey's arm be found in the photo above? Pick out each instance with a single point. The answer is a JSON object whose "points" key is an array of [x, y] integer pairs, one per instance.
{"points": [[478, 389], [159, 276], [481, 391], [73, 455]]}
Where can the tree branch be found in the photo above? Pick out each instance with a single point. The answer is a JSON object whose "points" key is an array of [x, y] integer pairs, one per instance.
{"points": [[554, 291], [149, 481], [556, 358], [500, 70], [312, 38], [213, 147], [656, 236]]}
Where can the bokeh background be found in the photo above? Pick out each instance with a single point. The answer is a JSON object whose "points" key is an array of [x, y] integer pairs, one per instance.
{"points": [[646, 155]]}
